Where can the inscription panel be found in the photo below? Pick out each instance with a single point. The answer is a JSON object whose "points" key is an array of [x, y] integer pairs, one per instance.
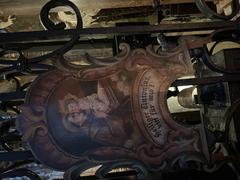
{"points": [[148, 102]]}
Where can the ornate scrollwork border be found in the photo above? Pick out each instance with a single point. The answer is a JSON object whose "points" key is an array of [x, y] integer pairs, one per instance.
{"points": [[152, 154]]}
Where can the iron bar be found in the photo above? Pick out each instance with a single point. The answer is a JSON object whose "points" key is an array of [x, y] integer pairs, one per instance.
{"points": [[81, 44], [206, 80], [180, 82], [178, 27], [16, 156], [8, 96]]}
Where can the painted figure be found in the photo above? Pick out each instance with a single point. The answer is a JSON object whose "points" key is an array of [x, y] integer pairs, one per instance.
{"points": [[97, 115]]}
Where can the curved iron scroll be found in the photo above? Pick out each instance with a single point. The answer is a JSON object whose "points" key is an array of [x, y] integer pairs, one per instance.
{"points": [[205, 10], [48, 24], [24, 64], [111, 114], [20, 173]]}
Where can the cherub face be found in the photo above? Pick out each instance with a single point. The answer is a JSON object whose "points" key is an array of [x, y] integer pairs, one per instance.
{"points": [[77, 118], [72, 107]]}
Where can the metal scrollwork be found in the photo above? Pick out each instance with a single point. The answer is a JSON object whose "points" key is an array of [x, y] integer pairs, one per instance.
{"points": [[21, 172], [205, 10], [24, 64], [48, 24]]}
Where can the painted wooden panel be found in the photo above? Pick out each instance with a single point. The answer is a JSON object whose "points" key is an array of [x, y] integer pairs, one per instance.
{"points": [[113, 111]]}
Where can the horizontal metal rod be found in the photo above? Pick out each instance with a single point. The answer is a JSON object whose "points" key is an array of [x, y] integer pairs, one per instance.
{"points": [[180, 82], [143, 29], [81, 44], [206, 80], [16, 156], [12, 96]]}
